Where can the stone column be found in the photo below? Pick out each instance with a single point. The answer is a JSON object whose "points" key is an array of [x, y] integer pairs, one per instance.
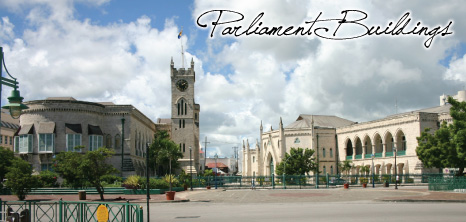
{"points": [[383, 149], [363, 152], [354, 152]]}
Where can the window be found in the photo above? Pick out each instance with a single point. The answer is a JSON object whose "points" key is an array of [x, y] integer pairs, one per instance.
{"points": [[253, 159], [46, 142], [184, 147], [183, 124], [1, 139], [331, 152], [11, 140], [403, 143], [108, 141], [297, 140], [25, 143], [72, 141], [95, 141], [331, 170], [323, 152], [46, 166], [180, 124], [195, 116], [16, 146], [117, 141], [325, 170]]}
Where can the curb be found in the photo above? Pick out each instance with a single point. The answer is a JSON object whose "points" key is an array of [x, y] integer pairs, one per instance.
{"points": [[424, 201]]}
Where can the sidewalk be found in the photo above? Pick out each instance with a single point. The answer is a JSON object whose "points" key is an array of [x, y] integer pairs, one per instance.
{"points": [[403, 194]]}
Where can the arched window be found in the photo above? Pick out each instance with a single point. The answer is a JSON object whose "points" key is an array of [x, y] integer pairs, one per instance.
{"points": [[403, 143], [108, 141], [179, 124], [324, 170], [331, 170], [323, 152], [331, 152], [253, 159], [183, 124]]}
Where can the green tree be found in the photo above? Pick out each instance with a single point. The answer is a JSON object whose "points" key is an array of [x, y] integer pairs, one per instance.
{"points": [[164, 151], [447, 146], [68, 166], [365, 170], [94, 166], [6, 156], [20, 179], [298, 162], [346, 166]]}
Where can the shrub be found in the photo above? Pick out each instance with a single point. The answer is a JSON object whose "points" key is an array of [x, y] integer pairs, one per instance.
{"points": [[111, 179], [48, 178], [159, 184], [175, 182], [363, 180], [133, 182]]}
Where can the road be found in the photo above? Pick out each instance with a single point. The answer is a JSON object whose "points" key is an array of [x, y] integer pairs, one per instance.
{"points": [[337, 211]]}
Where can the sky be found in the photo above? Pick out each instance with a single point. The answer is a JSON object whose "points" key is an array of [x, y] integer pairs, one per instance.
{"points": [[120, 51]]}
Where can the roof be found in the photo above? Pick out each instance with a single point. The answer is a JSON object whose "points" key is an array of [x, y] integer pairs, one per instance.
{"points": [[163, 121], [436, 109], [61, 98], [305, 121], [219, 165]]}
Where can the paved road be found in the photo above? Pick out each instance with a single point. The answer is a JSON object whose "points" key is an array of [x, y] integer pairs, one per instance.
{"points": [[308, 211]]}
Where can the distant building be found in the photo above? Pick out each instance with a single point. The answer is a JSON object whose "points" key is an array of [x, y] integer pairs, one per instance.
{"points": [[8, 129], [335, 139], [223, 164]]}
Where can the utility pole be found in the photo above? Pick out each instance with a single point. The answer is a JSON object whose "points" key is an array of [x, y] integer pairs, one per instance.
{"points": [[205, 151], [235, 150]]}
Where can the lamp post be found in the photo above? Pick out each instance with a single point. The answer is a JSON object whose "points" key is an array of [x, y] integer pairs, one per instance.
{"points": [[373, 184], [15, 105], [216, 170], [122, 141], [147, 180], [191, 167], [396, 179]]}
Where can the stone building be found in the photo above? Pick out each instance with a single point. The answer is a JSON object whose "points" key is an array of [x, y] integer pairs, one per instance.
{"points": [[185, 116], [8, 128], [60, 124], [341, 139]]}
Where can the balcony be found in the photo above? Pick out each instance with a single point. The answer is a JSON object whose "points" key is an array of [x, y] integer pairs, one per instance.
{"points": [[377, 155], [388, 154], [401, 153], [358, 157], [349, 157], [368, 156]]}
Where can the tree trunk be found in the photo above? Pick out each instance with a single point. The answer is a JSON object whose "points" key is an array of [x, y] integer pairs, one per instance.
{"points": [[100, 190], [460, 171]]}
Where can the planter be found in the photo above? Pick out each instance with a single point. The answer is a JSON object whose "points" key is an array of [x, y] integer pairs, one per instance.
{"points": [[346, 185], [208, 187], [185, 187], [385, 184], [170, 195], [364, 185]]}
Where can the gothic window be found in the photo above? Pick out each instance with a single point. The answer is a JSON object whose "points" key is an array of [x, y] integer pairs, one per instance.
{"points": [[178, 108], [325, 170], [179, 123], [403, 143], [117, 141], [323, 152], [108, 141], [183, 124], [297, 140], [331, 152], [185, 108], [184, 147], [253, 159], [331, 170]]}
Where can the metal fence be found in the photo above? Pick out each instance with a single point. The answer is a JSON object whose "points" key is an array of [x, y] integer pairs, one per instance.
{"points": [[309, 181], [67, 211], [447, 183]]}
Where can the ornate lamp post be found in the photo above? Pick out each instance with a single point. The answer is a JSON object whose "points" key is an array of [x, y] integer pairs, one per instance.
{"points": [[147, 181], [122, 141], [15, 104], [190, 167], [372, 157], [216, 170], [396, 177]]}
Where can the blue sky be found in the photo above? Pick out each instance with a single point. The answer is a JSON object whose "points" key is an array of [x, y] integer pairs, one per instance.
{"points": [[120, 51]]}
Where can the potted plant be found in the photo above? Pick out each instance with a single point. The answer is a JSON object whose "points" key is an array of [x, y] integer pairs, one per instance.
{"points": [[184, 179], [346, 166], [363, 181], [170, 195], [365, 171], [208, 173]]}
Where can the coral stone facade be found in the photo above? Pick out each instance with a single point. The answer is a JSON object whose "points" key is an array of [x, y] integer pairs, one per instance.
{"points": [[335, 140], [55, 125]]}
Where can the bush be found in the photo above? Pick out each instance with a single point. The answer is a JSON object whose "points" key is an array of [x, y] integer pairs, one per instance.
{"points": [[111, 179], [363, 180], [175, 182], [48, 179], [159, 184], [133, 182]]}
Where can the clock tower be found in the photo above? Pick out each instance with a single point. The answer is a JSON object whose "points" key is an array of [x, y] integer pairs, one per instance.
{"points": [[185, 116]]}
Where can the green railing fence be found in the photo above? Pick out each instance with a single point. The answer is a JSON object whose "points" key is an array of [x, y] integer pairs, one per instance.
{"points": [[308, 181], [68, 211], [448, 183]]}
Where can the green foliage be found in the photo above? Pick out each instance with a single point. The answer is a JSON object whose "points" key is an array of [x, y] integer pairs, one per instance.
{"points": [[133, 182], [298, 162], [68, 167], [208, 172], [110, 178], [184, 178], [447, 146], [164, 153], [80, 170], [48, 178], [365, 170], [6, 156], [158, 184], [19, 178], [172, 181], [346, 166], [363, 180]]}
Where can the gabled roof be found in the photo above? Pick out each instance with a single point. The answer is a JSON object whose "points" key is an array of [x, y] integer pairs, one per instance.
{"points": [[305, 121]]}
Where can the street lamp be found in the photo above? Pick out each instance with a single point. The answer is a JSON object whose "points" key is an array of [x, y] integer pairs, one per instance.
{"points": [[373, 184], [147, 180], [122, 141], [15, 105], [216, 170], [396, 179], [191, 166]]}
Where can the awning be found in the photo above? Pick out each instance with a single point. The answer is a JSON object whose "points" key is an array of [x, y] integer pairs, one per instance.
{"points": [[94, 130], [46, 127], [73, 128], [26, 129]]}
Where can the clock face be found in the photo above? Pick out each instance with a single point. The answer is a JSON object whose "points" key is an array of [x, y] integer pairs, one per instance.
{"points": [[182, 85]]}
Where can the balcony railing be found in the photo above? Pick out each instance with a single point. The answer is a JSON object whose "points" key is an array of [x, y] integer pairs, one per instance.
{"points": [[387, 154], [358, 157], [401, 153], [349, 157], [378, 155]]}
